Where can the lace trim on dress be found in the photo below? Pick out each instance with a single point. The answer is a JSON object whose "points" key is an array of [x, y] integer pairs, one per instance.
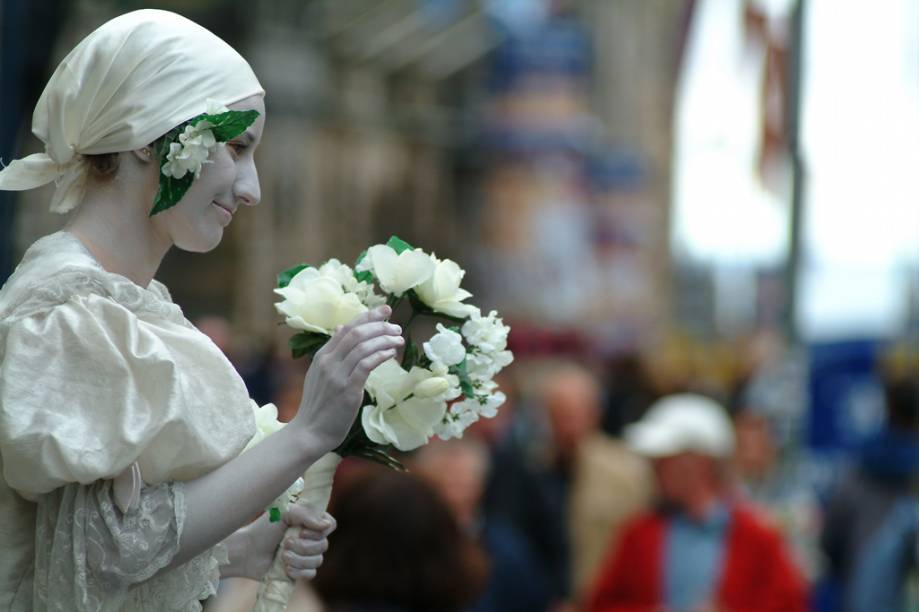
{"points": [[90, 278], [90, 556]]}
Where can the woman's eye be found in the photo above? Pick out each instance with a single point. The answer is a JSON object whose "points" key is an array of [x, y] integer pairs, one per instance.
{"points": [[236, 148]]}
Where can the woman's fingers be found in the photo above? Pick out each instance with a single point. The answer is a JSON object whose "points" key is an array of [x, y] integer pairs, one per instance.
{"points": [[307, 546], [368, 364], [301, 574], [367, 348], [363, 333], [308, 518], [301, 566], [380, 313]]}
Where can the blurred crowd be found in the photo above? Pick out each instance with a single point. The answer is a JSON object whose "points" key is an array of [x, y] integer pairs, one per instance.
{"points": [[638, 482]]}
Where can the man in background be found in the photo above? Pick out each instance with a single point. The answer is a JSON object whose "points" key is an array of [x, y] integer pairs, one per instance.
{"points": [[698, 550]]}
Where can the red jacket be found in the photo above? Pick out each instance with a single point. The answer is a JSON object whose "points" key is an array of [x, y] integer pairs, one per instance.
{"points": [[758, 575]]}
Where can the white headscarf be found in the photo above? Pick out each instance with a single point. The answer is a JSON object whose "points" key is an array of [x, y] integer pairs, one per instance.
{"points": [[129, 82]]}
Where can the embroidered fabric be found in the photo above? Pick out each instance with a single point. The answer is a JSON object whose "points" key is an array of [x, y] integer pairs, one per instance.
{"points": [[82, 279], [90, 556]]}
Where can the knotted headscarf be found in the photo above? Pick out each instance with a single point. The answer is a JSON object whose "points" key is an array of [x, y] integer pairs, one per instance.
{"points": [[125, 85]]}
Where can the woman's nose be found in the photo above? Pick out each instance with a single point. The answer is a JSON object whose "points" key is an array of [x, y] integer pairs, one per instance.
{"points": [[247, 188]]}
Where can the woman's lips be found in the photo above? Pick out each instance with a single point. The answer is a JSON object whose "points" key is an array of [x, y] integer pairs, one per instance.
{"points": [[224, 211]]}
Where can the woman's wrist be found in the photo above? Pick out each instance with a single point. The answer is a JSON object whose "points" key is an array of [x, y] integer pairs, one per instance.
{"points": [[237, 548], [309, 444]]}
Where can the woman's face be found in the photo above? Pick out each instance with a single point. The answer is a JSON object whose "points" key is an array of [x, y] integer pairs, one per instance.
{"points": [[228, 181]]}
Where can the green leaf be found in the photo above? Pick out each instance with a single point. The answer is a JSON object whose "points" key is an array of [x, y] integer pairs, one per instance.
{"points": [[227, 126], [465, 382], [274, 514], [306, 343], [398, 245], [287, 275], [171, 191]]}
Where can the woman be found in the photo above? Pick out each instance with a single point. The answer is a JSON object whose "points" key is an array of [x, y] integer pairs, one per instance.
{"points": [[120, 423]]}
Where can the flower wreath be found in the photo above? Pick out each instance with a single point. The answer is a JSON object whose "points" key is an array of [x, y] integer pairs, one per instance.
{"points": [[185, 149]]}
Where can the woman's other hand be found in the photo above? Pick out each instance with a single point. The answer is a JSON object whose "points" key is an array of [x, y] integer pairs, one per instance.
{"points": [[334, 385], [251, 549], [302, 554]]}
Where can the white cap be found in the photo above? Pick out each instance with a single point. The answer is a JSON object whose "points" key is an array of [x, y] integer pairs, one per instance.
{"points": [[680, 423]]}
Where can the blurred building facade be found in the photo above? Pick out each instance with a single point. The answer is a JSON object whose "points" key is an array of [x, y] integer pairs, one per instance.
{"points": [[529, 141]]}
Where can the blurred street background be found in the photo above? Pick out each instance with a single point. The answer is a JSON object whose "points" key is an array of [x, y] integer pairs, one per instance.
{"points": [[659, 196]]}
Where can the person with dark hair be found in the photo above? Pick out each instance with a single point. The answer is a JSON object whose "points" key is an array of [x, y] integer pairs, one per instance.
{"points": [[458, 470], [398, 548], [870, 526]]}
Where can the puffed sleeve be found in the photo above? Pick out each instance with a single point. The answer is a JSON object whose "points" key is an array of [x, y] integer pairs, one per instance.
{"points": [[90, 386]]}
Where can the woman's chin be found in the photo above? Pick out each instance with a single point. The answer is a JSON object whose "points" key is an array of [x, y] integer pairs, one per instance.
{"points": [[201, 243]]}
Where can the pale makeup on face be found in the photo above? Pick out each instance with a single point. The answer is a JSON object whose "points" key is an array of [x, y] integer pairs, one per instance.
{"points": [[228, 180]]}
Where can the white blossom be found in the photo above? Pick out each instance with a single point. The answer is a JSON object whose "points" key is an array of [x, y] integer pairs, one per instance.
{"points": [[345, 276], [397, 272], [435, 386], [402, 416], [488, 334], [488, 405], [190, 153], [446, 347], [485, 366], [317, 303], [442, 291]]}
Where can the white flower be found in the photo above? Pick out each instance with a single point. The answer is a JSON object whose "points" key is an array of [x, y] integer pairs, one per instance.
{"points": [[402, 416], [435, 386], [449, 429], [459, 416], [317, 303], [439, 369], [397, 273], [266, 423], [488, 405], [442, 291], [446, 347], [389, 384], [345, 275], [488, 334], [340, 272], [465, 412], [196, 142], [485, 366], [407, 425]]}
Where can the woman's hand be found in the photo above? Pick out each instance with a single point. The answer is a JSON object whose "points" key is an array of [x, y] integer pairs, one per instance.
{"points": [[303, 554], [334, 384], [251, 549]]}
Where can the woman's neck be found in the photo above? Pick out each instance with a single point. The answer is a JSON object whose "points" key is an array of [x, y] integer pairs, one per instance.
{"points": [[113, 225]]}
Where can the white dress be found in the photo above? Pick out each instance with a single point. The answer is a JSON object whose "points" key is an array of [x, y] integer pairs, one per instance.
{"points": [[96, 373]]}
